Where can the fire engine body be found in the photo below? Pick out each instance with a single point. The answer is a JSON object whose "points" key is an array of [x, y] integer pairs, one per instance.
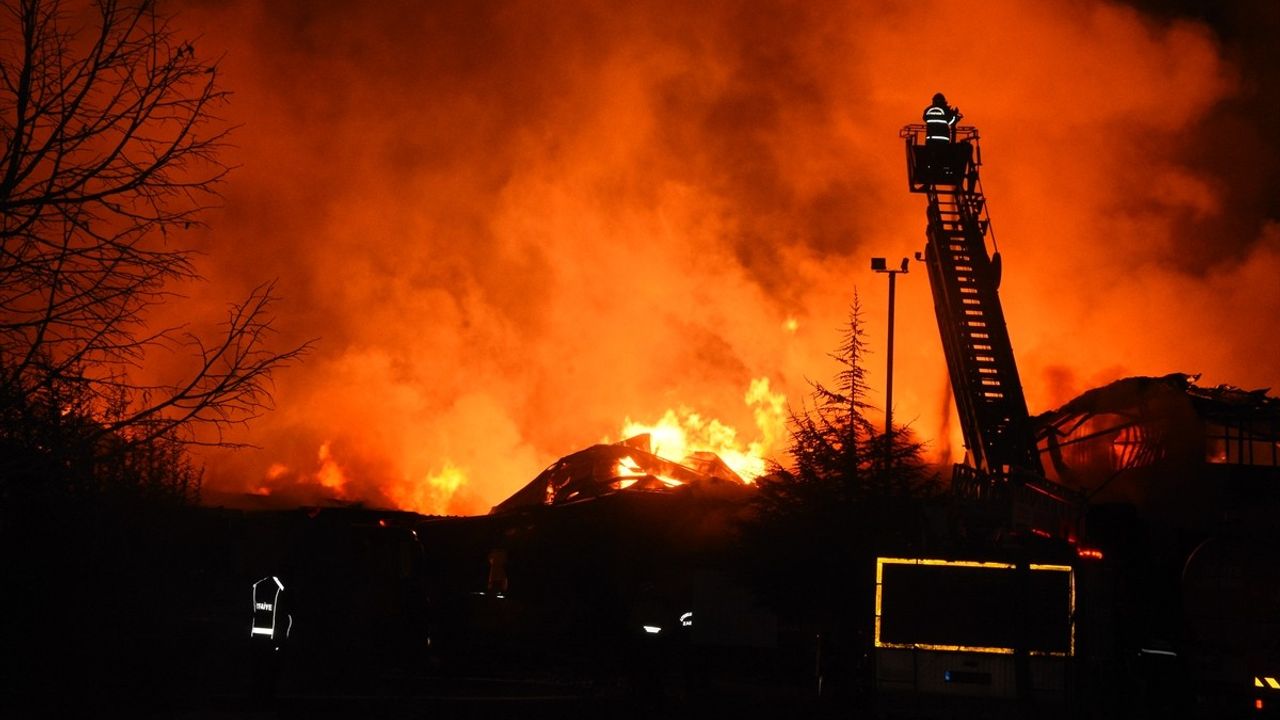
{"points": [[1153, 499], [983, 635]]}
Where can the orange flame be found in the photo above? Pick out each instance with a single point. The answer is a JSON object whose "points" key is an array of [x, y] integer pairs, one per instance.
{"points": [[680, 433], [330, 474], [434, 494], [628, 471]]}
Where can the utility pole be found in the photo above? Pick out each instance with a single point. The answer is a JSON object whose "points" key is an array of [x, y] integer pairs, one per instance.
{"points": [[879, 265]]}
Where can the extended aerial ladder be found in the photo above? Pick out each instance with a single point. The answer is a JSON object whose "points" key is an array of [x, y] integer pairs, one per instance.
{"points": [[1003, 472]]}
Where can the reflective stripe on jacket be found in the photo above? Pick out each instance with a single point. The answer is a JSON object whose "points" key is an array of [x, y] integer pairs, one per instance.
{"points": [[938, 122]]}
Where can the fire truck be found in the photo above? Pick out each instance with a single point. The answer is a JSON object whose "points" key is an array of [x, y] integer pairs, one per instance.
{"points": [[990, 628], [1120, 554]]}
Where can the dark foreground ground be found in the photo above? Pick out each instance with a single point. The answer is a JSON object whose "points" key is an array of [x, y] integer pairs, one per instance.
{"points": [[481, 698], [436, 697], [126, 614]]}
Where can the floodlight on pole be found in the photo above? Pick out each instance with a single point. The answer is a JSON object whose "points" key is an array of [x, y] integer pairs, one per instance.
{"points": [[879, 265]]}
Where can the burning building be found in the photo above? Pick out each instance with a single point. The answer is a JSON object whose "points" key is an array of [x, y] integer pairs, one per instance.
{"points": [[629, 465], [1179, 452], [1182, 484], [611, 555]]}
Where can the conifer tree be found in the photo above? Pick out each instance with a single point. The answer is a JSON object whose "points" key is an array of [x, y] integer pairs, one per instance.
{"points": [[838, 458], [849, 493]]}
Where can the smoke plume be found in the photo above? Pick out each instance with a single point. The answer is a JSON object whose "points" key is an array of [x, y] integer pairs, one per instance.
{"points": [[515, 225]]}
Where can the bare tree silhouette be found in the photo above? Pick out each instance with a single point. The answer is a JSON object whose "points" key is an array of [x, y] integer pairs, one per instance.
{"points": [[109, 145]]}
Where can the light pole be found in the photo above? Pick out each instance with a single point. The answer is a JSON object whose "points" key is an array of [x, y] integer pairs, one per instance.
{"points": [[879, 265]]}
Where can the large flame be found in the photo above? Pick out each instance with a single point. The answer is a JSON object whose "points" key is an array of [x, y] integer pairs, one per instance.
{"points": [[675, 436], [680, 433]]}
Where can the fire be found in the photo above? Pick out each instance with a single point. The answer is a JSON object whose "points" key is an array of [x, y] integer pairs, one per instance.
{"points": [[679, 197], [628, 471], [627, 468], [680, 433], [330, 474], [275, 473], [448, 480], [434, 494], [340, 475]]}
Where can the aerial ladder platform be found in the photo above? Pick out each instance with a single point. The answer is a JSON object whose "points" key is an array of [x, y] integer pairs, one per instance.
{"points": [[1003, 472]]}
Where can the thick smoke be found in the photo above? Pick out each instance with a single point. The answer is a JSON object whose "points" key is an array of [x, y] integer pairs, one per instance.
{"points": [[513, 225]]}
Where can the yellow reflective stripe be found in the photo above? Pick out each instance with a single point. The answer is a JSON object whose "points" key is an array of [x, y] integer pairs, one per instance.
{"points": [[932, 561], [948, 648], [1257, 682], [1272, 683]]}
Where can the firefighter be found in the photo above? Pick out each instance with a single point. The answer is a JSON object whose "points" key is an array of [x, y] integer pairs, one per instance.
{"points": [[940, 121], [268, 631]]}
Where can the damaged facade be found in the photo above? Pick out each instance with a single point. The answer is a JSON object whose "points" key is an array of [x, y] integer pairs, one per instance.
{"points": [[1177, 451]]}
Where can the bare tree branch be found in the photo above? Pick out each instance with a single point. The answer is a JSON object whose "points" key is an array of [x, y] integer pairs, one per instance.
{"points": [[110, 141]]}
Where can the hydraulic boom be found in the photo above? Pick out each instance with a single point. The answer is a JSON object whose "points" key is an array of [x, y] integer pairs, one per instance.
{"points": [[1004, 464]]}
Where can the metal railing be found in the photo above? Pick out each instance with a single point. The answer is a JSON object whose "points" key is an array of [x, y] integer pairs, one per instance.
{"points": [[915, 135]]}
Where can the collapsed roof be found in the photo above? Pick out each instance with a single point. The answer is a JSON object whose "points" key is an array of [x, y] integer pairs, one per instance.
{"points": [[627, 466], [1138, 393], [1163, 442]]}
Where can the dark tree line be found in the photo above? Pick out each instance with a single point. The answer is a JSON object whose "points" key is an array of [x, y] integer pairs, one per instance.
{"points": [[110, 148]]}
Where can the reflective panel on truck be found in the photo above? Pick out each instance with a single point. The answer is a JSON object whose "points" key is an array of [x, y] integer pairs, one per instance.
{"points": [[976, 607]]}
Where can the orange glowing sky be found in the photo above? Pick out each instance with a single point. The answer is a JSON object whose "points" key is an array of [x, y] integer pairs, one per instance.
{"points": [[513, 226]]}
